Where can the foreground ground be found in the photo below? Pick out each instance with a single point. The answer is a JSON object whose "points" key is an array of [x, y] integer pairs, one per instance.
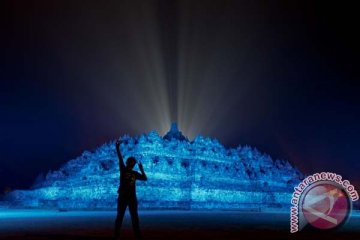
{"points": [[52, 224]]}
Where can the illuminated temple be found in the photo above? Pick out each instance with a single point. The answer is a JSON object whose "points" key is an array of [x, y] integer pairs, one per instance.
{"points": [[182, 174]]}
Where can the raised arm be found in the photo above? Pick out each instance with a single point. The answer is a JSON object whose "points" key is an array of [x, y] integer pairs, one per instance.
{"points": [[121, 160], [142, 176]]}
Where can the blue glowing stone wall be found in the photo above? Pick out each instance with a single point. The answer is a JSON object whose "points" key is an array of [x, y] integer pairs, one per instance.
{"points": [[201, 174]]}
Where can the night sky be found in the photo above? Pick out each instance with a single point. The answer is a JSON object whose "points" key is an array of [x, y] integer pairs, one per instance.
{"points": [[282, 76]]}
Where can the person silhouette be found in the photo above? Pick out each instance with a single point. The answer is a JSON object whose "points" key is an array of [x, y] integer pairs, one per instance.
{"points": [[127, 193]]}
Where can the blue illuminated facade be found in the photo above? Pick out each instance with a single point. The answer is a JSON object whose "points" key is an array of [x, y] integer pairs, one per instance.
{"points": [[182, 174]]}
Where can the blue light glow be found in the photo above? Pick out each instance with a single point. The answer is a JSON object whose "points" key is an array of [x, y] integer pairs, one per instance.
{"points": [[201, 174]]}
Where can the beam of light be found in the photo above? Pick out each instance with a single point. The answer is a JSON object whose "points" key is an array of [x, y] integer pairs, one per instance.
{"points": [[214, 86], [196, 81], [136, 92], [154, 108], [201, 89]]}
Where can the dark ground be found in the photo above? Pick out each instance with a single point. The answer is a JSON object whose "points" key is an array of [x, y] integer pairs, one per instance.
{"points": [[42, 224]]}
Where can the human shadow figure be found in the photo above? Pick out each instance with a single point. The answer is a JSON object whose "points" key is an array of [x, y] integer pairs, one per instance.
{"points": [[127, 193]]}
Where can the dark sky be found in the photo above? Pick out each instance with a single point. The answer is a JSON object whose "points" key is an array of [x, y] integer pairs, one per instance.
{"points": [[282, 76]]}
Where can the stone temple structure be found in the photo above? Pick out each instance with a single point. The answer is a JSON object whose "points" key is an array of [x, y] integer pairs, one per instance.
{"points": [[182, 174]]}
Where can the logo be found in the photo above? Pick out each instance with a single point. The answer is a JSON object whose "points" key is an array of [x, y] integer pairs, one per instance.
{"points": [[323, 201], [325, 205]]}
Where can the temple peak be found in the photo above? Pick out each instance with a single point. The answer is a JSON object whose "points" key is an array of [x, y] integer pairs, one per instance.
{"points": [[174, 133], [174, 127]]}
